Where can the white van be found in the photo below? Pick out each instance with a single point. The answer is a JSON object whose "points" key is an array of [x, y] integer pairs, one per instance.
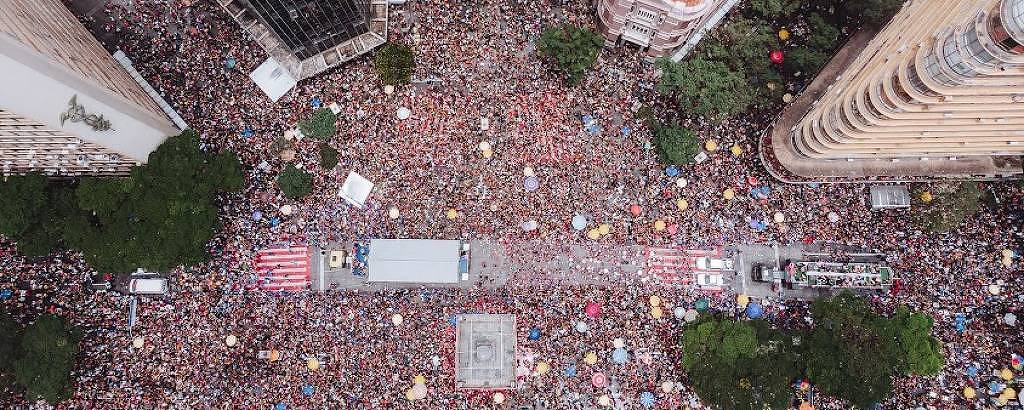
{"points": [[711, 264], [150, 286]]}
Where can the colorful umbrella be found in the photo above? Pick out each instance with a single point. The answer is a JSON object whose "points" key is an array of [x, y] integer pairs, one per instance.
{"points": [[754, 311], [599, 379], [647, 399], [534, 334], [776, 56], [582, 327], [579, 222], [570, 370], [531, 183], [280, 406], [672, 171], [307, 390], [593, 309], [635, 209], [6, 294], [620, 356], [257, 215], [701, 305]]}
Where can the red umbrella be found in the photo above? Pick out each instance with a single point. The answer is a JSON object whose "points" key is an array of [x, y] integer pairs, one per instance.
{"points": [[593, 309], [599, 379], [776, 56], [634, 209]]}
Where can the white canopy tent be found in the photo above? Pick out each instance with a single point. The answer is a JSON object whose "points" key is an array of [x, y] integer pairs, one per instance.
{"points": [[273, 79], [414, 261], [356, 189]]}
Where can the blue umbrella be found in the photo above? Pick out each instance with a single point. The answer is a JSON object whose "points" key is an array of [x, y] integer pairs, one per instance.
{"points": [[257, 215], [247, 132], [620, 356], [316, 102], [6, 294], [972, 371], [672, 171], [754, 311], [531, 183], [961, 322], [230, 62], [579, 222], [647, 399], [626, 131], [994, 387], [570, 370], [534, 334], [588, 119], [453, 320], [307, 390], [813, 185], [280, 406], [274, 222]]}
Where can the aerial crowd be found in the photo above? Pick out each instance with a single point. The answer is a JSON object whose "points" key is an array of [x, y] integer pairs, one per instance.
{"points": [[486, 85]]}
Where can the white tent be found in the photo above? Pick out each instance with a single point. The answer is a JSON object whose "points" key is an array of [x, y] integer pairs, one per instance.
{"points": [[273, 79], [356, 189], [414, 261]]}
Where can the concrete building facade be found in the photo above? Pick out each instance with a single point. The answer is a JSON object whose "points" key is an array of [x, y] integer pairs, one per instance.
{"points": [[67, 106], [939, 91], [661, 27]]}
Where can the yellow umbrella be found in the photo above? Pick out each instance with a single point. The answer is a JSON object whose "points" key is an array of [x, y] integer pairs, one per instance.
{"points": [[543, 367], [590, 358], [656, 312], [604, 400], [419, 379], [783, 34], [682, 204], [604, 229], [594, 233], [1007, 253], [312, 364], [736, 150], [488, 153], [742, 300], [274, 356], [926, 197], [655, 300], [1010, 393], [969, 392], [711, 145], [729, 194], [409, 395], [659, 225], [452, 214], [1006, 374]]}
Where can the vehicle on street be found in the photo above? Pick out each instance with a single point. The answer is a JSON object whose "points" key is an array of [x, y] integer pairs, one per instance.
{"points": [[710, 281], [707, 263]]}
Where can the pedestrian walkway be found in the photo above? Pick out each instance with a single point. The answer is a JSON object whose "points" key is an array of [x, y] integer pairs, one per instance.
{"points": [[283, 268]]}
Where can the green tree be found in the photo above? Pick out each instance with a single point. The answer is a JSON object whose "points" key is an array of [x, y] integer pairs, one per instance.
{"points": [[675, 145], [23, 198], [394, 63], [295, 183], [570, 50], [775, 9], [920, 353], [805, 60], [46, 357], [10, 337], [703, 87], [872, 12], [739, 364], [822, 35], [952, 205], [328, 157], [322, 125]]}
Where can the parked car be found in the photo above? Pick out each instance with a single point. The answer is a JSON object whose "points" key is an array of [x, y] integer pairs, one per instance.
{"points": [[708, 263], [710, 280]]}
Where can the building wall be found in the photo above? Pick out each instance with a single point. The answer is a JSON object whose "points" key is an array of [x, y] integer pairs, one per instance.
{"points": [[47, 58], [660, 26], [944, 81]]}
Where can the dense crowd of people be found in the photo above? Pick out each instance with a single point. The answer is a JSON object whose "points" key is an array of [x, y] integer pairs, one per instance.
{"points": [[482, 66]]}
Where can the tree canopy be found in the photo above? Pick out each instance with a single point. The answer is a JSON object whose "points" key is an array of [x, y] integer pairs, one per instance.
{"points": [[774, 9], [570, 50], [705, 87], [45, 358], [160, 216], [394, 63], [953, 203], [328, 156], [675, 145], [24, 196], [322, 125], [872, 12], [739, 364], [295, 183]]}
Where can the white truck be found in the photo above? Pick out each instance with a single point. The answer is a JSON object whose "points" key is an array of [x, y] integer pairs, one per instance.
{"points": [[707, 263]]}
